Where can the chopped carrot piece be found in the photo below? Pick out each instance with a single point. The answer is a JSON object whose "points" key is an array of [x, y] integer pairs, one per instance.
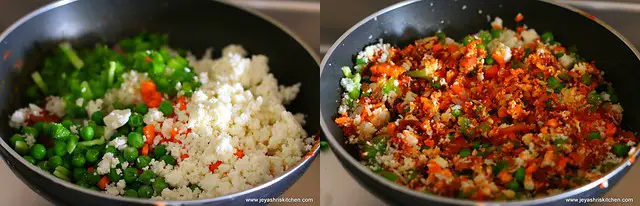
{"points": [[562, 163], [553, 123], [491, 71], [145, 149], [512, 129], [498, 58], [504, 176], [102, 184], [174, 132], [182, 100], [184, 156], [214, 166], [519, 17], [429, 142], [502, 112], [457, 89], [611, 130], [437, 47], [452, 48], [90, 169], [148, 59], [149, 132], [391, 127], [531, 169]]}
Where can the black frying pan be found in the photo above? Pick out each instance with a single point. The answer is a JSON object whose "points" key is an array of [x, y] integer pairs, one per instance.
{"points": [[192, 25], [405, 22]]}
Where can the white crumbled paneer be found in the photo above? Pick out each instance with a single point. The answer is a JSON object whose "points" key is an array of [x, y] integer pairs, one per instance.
{"points": [[55, 105], [129, 91], [566, 61], [528, 36], [108, 161], [497, 23], [117, 118], [239, 107], [119, 142], [19, 117], [93, 106]]}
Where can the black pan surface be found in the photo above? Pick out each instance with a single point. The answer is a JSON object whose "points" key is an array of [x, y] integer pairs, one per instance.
{"points": [[405, 22], [193, 25]]}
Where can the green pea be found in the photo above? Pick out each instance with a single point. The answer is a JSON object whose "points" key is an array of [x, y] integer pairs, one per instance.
{"points": [[21, 147], [621, 149], [131, 193], [135, 120], [519, 174], [168, 159], [513, 185], [159, 151], [547, 37], [54, 161], [111, 149], [50, 153], [486, 36], [98, 117], [145, 191], [464, 152], [113, 175], [135, 140], [594, 135], [30, 159], [16, 137], [456, 112], [130, 174], [47, 128], [67, 123], [39, 126], [324, 145], [142, 108], [98, 132], [87, 133], [92, 155], [130, 154], [78, 160], [499, 166], [32, 131], [143, 161], [79, 173], [489, 61], [38, 151], [166, 108], [159, 184], [60, 148], [146, 177], [124, 130]]}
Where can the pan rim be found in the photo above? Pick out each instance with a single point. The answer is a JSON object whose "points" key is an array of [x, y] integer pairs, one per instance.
{"points": [[346, 157], [305, 162]]}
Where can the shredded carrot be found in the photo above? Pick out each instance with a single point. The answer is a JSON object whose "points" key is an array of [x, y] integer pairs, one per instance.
{"points": [[102, 184], [512, 129], [145, 149], [214, 166], [342, 120]]}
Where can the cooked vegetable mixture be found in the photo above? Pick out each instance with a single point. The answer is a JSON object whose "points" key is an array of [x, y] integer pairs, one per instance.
{"points": [[140, 120], [501, 115]]}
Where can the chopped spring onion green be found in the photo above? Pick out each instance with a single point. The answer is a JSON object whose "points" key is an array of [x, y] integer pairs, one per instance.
{"points": [[38, 80], [71, 54]]}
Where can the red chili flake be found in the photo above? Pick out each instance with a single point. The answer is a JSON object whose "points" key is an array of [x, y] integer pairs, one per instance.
{"points": [[239, 153], [6, 54], [214, 166], [18, 64]]}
